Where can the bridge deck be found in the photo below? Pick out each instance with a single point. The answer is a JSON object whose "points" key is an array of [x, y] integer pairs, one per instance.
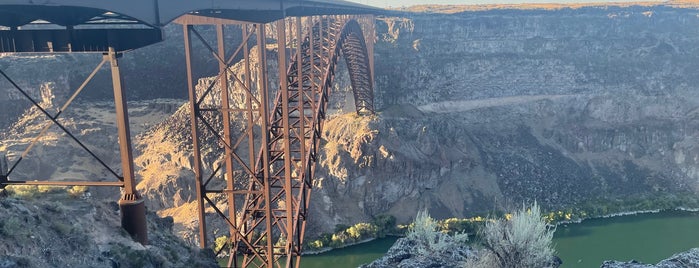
{"points": [[156, 13], [95, 25]]}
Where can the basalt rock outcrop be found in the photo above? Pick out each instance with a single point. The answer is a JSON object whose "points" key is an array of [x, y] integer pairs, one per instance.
{"points": [[685, 259], [58, 230], [403, 255]]}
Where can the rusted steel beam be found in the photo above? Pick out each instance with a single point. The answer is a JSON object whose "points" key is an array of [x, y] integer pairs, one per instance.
{"points": [[265, 165], [194, 118], [226, 118], [132, 206], [65, 183], [286, 225]]}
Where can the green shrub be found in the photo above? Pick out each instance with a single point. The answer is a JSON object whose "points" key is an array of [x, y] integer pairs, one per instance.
{"points": [[425, 232], [339, 240], [77, 191], [220, 242], [362, 231], [49, 189], [23, 191], [523, 241], [386, 224]]}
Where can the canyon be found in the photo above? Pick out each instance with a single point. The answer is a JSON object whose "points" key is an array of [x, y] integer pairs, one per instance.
{"points": [[477, 111]]}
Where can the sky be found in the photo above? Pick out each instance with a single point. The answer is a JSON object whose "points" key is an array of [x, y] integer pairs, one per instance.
{"points": [[400, 3]]}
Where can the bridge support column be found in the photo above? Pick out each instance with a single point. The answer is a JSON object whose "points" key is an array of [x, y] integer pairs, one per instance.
{"points": [[131, 205]]}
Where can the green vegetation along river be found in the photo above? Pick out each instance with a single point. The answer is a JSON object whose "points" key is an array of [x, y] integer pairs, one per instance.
{"points": [[644, 237]]}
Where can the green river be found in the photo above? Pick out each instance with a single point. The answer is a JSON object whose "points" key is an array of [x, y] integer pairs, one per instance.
{"points": [[645, 237]]}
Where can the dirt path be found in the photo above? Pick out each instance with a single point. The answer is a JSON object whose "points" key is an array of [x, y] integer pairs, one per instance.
{"points": [[467, 105]]}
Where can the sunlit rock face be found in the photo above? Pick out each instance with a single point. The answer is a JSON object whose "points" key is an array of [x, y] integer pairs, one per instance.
{"points": [[477, 111]]}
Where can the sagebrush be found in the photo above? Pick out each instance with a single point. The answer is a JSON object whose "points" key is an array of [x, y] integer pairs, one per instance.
{"points": [[524, 241]]}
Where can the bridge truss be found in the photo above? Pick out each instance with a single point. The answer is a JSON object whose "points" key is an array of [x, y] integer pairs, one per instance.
{"points": [[268, 133], [261, 185]]}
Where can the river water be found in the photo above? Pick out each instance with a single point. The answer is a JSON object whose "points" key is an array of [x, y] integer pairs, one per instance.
{"points": [[648, 238], [351, 256], [644, 237]]}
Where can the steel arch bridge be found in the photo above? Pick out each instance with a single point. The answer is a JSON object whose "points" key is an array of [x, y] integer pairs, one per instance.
{"points": [[264, 174], [278, 163]]}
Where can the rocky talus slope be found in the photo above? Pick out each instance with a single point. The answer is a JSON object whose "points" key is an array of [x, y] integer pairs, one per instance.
{"points": [[403, 255], [59, 230]]}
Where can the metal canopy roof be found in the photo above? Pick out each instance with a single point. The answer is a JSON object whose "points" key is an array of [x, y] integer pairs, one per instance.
{"points": [[156, 13]]}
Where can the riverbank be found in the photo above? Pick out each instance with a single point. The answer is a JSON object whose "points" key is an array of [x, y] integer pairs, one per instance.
{"points": [[327, 249], [599, 209], [615, 237], [626, 213]]}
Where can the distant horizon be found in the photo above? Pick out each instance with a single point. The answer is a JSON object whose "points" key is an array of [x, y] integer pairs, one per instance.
{"points": [[407, 3]]}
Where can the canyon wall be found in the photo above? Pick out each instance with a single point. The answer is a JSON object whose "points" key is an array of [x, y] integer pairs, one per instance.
{"points": [[479, 111]]}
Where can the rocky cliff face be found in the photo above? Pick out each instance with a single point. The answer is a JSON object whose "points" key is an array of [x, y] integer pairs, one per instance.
{"points": [[482, 110]]}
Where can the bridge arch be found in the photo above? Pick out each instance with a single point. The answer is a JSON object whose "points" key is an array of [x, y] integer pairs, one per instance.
{"points": [[353, 47], [295, 126]]}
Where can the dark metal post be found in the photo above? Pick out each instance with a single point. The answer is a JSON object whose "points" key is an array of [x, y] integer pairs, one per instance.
{"points": [[3, 170], [133, 210]]}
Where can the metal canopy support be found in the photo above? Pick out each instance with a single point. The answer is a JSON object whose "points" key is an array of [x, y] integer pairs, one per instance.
{"points": [[131, 205], [269, 139]]}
